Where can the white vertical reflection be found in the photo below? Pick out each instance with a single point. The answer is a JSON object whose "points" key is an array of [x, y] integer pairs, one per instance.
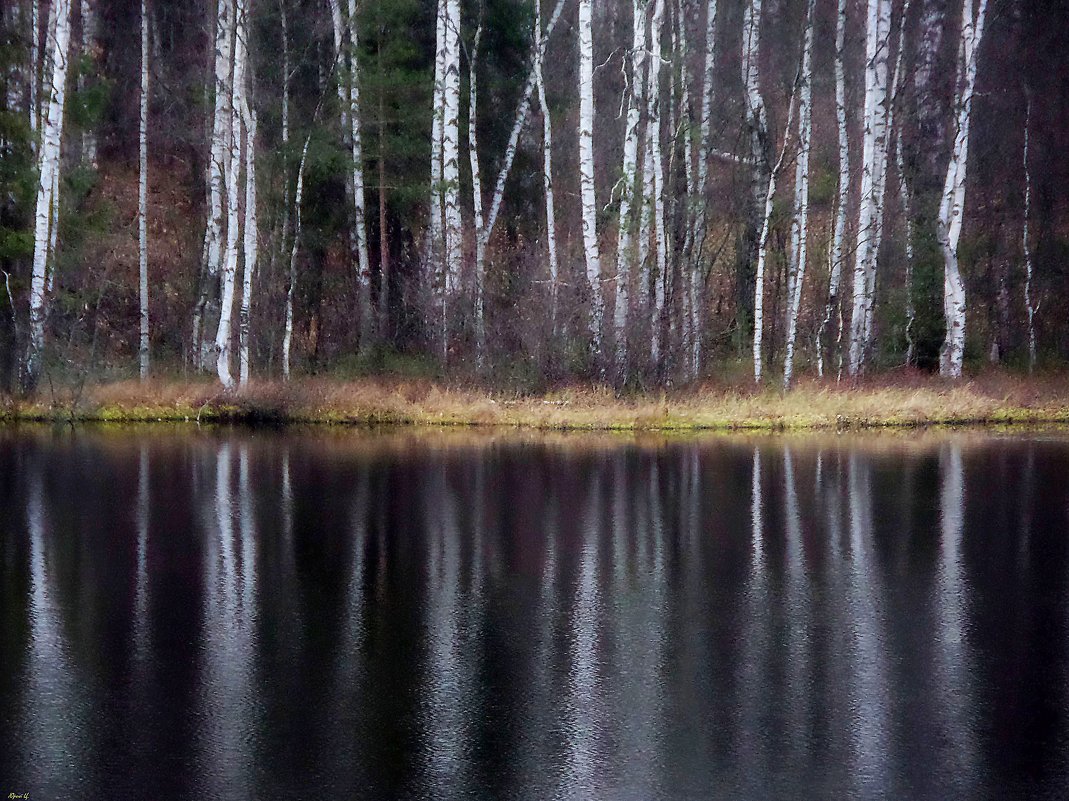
{"points": [[141, 616], [753, 664], [55, 712], [951, 648], [230, 603], [869, 701], [636, 643], [798, 620], [584, 714], [445, 727]]}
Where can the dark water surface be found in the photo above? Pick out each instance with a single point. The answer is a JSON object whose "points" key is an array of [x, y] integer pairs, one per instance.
{"points": [[320, 615]]}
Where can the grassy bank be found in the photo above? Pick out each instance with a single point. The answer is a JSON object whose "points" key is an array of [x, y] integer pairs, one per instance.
{"points": [[902, 400]]}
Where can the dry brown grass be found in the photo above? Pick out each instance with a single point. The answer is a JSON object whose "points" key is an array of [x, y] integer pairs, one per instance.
{"points": [[906, 399]]}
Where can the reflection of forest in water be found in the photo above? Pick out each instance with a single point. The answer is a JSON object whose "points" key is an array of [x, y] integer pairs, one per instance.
{"points": [[238, 613]]}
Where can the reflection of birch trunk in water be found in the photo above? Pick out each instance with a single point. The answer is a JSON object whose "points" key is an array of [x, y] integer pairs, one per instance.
{"points": [[869, 700], [54, 712], [952, 660], [583, 754], [446, 727], [141, 611]]}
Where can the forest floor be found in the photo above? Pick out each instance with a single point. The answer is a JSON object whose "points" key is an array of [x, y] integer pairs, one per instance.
{"points": [[890, 400]]}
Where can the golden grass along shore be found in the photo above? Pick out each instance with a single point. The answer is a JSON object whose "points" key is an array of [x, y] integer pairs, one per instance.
{"points": [[911, 400]]}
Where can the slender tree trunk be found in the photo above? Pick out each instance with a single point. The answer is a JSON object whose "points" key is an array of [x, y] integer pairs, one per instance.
{"points": [[873, 162], [367, 317], [800, 225], [451, 151], [228, 275], [518, 123], [952, 206], [547, 169], [435, 225], [838, 249], [287, 338], [88, 14], [476, 193], [762, 246], [897, 79], [251, 242], [142, 197], [218, 168], [1026, 243], [760, 158], [48, 166], [35, 70], [586, 173], [625, 255], [656, 199]]}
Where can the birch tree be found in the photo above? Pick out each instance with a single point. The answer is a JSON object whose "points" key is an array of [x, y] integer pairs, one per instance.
{"points": [[952, 205], [228, 274], [298, 196], [878, 23], [251, 238], [591, 254], [142, 198], [476, 186], [367, 317], [57, 62], [547, 168], [838, 249], [654, 200], [800, 223], [762, 245], [451, 151], [629, 183], [87, 12], [1025, 241], [218, 167]]}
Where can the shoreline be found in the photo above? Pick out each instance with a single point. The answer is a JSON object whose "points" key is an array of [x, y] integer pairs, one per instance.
{"points": [[987, 401]]}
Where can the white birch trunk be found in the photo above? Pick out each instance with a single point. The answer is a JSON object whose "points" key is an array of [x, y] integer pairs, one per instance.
{"points": [[518, 123], [251, 243], [88, 16], [756, 117], [35, 70], [367, 317], [838, 250], [800, 224], [900, 176], [625, 255], [762, 247], [451, 151], [586, 172], [653, 137], [218, 167], [952, 206], [228, 275], [48, 164], [435, 225], [875, 143], [705, 124], [1025, 241], [547, 169], [142, 198], [477, 189], [287, 337]]}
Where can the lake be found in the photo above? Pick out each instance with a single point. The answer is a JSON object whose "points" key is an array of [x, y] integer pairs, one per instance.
{"points": [[320, 614]]}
